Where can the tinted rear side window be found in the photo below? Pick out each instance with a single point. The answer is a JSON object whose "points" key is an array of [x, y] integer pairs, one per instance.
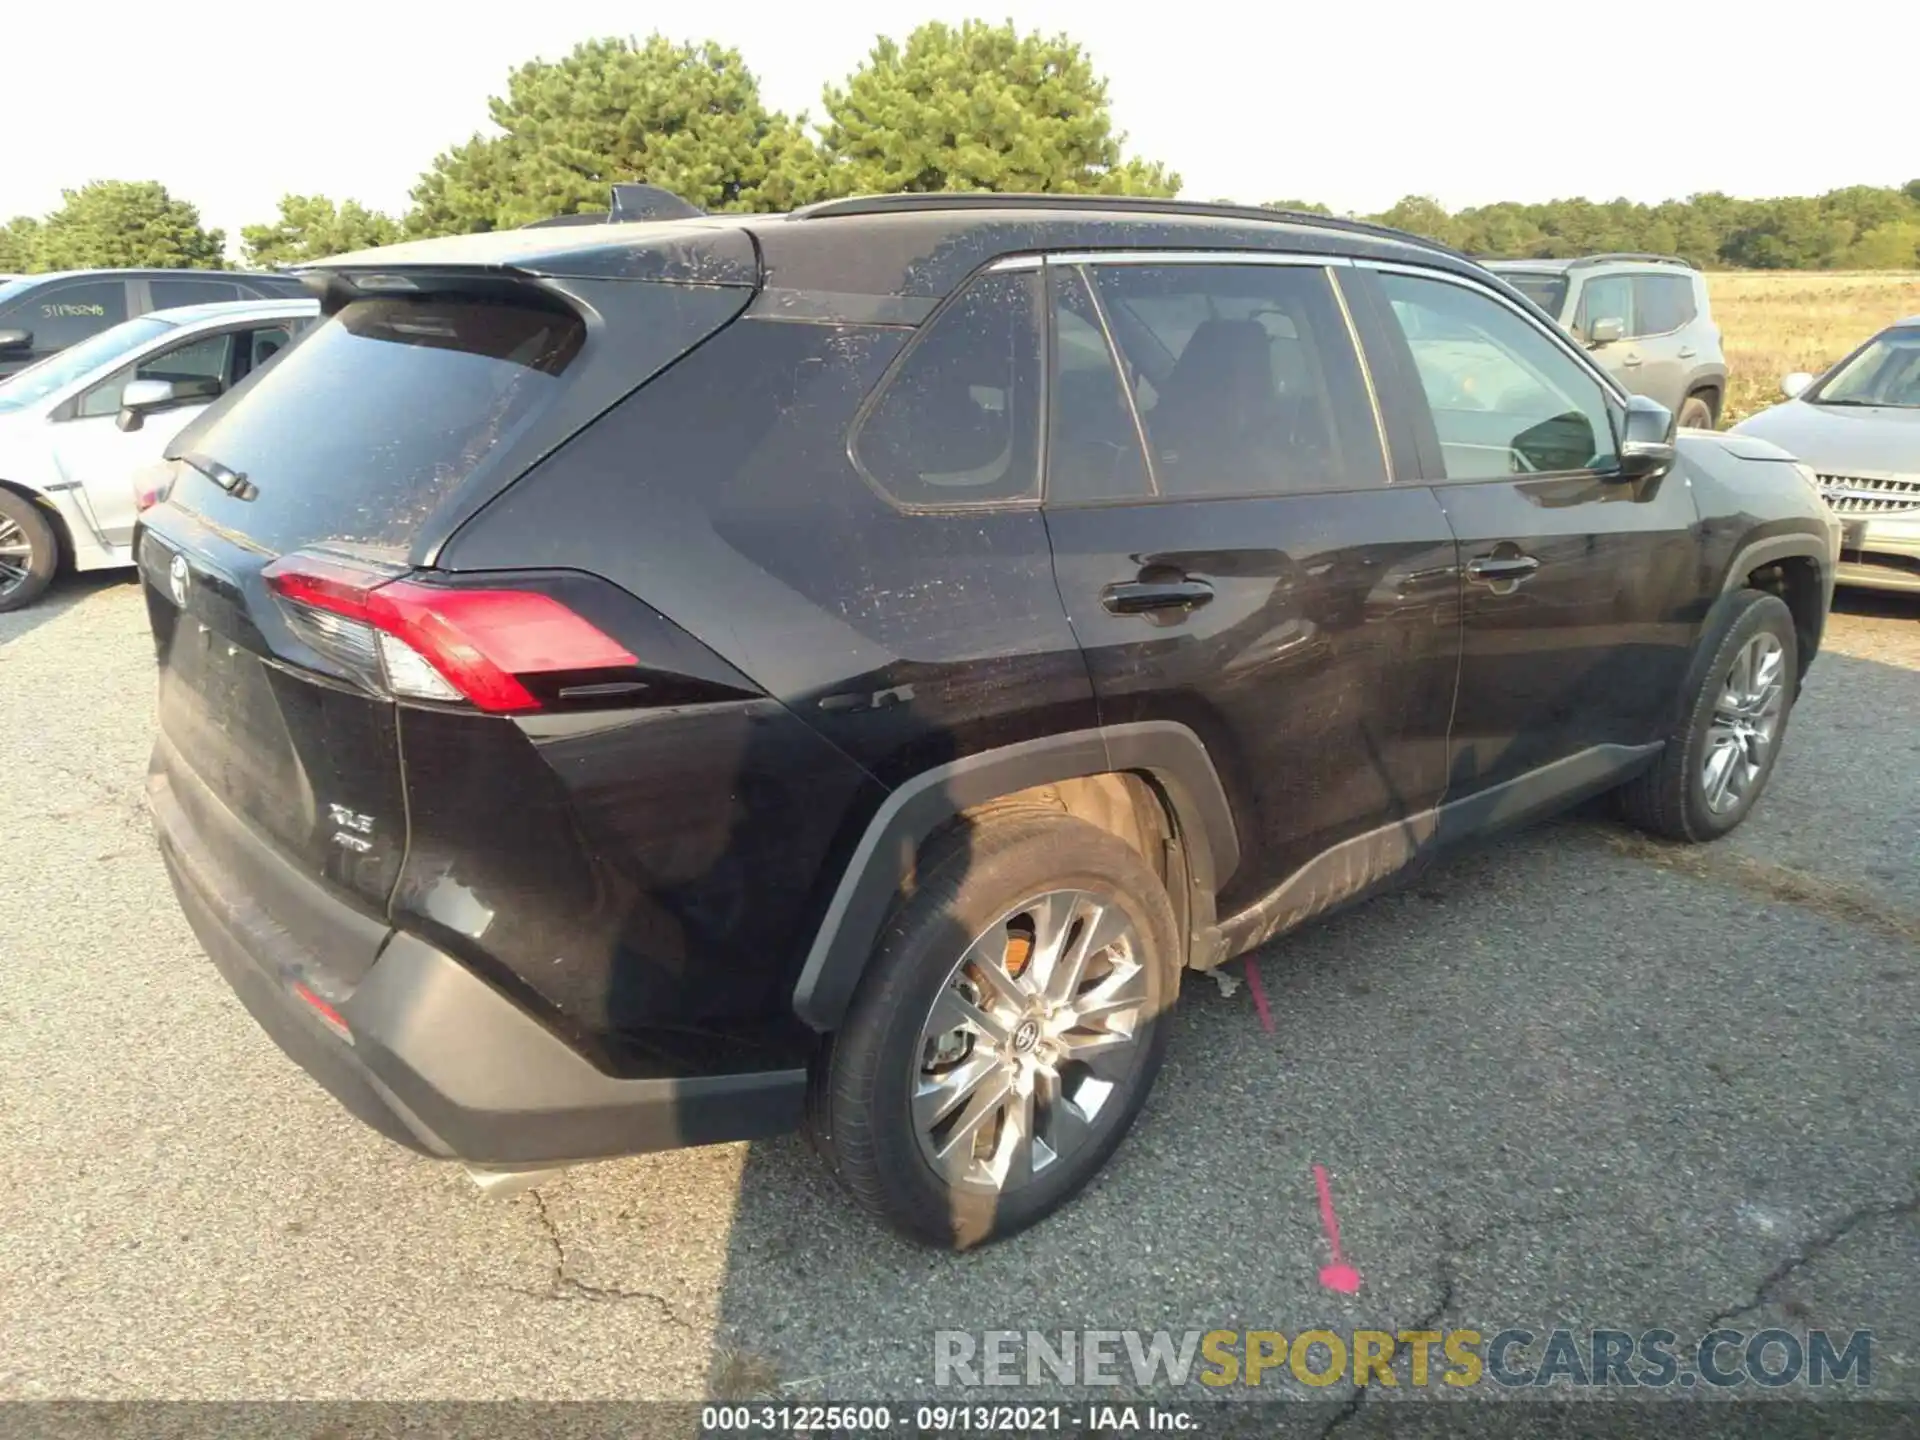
{"points": [[378, 415], [169, 293], [63, 315], [1661, 303], [1244, 377], [958, 422]]}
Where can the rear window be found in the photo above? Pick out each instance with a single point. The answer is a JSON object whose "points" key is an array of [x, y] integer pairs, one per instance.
{"points": [[1549, 292], [360, 431]]}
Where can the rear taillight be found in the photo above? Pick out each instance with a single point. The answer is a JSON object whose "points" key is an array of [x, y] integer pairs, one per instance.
{"points": [[435, 642], [150, 487]]}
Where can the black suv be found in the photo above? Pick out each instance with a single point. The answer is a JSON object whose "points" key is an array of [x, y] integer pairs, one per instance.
{"points": [[639, 685], [41, 315]]}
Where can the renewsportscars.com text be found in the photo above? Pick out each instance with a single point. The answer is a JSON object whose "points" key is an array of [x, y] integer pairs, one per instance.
{"points": [[1513, 1358]]}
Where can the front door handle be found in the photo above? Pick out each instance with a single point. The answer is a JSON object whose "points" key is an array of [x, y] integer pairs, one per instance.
{"points": [[1688, 353], [1142, 597], [1498, 570], [1631, 362]]}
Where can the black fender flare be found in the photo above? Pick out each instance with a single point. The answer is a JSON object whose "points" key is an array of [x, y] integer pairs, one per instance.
{"points": [[1168, 754], [1796, 544]]}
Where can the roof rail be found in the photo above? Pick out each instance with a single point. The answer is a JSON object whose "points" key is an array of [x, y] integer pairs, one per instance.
{"points": [[1136, 204], [1612, 255]]}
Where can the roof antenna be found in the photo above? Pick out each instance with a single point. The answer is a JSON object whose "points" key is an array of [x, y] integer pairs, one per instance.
{"points": [[649, 202]]}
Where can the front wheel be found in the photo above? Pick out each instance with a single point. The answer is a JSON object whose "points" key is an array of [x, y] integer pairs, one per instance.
{"points": [[1696, 413], [29, 553], [1722, 749], [1006, 1034]]}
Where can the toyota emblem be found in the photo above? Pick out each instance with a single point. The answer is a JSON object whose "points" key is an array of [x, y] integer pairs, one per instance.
{"points": [[179, 580]]}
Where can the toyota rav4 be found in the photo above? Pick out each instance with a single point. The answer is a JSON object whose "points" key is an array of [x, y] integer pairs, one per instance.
{"points": [[631, 685]]}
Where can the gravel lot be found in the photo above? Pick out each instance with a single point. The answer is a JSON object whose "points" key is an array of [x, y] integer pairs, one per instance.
{"points": [[1573, 1078]]}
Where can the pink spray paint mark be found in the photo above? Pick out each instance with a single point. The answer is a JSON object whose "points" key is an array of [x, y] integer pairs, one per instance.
{"points": [[1259, 997], [1339, 1275]]}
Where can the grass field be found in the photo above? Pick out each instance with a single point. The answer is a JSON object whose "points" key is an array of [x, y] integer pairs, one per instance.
{"points": [[1773, 321]]}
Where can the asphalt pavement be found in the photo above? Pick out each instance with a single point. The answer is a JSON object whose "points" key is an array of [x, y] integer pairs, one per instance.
{"points": [[1573, 1078]]}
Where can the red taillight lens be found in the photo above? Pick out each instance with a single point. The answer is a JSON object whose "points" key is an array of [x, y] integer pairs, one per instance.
{"points": [[434, 642], [150, 487]]}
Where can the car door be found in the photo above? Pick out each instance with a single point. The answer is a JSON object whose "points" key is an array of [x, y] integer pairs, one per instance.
{"points": [[98, 457], [1579, 587], [1604, 298], [1235, 556], [1662, 308]]}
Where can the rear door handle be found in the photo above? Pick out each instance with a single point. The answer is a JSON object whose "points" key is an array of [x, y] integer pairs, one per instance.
{"points": [[1501, 569], [1141, 597], [1631, 362]]}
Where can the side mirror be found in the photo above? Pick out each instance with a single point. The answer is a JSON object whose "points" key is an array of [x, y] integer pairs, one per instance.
{"points": [[11, 340], [141, 398], [1646, 440], [1795, 385], [1605, 332]]}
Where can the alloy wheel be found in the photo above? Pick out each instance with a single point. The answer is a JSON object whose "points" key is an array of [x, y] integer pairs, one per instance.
{"points": [[16, 556], [1036, 1029], [1746, 721]]}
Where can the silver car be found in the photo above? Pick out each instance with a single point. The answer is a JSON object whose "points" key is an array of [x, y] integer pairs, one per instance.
{"points": [[1646, 318], [1858, 428]]}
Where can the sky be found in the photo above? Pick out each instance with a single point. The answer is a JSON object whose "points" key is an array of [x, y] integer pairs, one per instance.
{"points": [[232, 105]]}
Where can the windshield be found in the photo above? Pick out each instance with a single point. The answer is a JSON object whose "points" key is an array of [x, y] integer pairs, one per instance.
{"points": [[1884, 371], [38, 381], [13, 287], [1546, 290]]}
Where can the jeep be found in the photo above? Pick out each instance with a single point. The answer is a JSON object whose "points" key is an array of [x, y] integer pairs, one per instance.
{"points": [[641, 684], [1645, 318]]}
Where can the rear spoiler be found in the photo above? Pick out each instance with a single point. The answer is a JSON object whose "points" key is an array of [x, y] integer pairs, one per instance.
{"points": [[630, 202]]}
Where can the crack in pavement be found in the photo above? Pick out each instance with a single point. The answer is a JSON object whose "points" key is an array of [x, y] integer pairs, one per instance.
{"points": [[1447, 1273], [563, 1286], [1814, 1248], [1451, 1253]]}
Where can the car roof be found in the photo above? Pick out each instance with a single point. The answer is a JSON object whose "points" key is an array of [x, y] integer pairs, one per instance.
{"points": [[897, 253], [1560, 264], [218, 310]]}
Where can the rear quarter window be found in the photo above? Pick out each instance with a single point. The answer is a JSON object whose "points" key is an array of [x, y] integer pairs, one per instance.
{"points": [[958, 420]]}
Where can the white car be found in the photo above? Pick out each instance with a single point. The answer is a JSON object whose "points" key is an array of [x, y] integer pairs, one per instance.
{"points": [[75, 428]]}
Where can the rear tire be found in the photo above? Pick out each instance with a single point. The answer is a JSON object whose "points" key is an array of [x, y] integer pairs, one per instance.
{"points": [[999, 1067], [1696, 413], [29, 551], [1727, 737]]}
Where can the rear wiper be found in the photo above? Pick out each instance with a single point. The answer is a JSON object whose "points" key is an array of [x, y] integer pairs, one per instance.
{"points": [[228, 479]]}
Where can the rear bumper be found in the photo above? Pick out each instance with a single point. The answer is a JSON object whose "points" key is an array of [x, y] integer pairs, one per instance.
{"points": [[439, 1061]]}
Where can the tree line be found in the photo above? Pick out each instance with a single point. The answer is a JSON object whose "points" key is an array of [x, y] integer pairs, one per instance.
{"points": [[968, 107]]}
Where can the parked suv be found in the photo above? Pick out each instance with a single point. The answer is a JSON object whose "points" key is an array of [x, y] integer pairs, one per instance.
{"points": [[41, 315], [636, 685], [1645, 318]]}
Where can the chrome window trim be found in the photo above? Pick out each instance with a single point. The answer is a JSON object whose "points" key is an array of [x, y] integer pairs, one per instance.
{"points": [[1193, 257], [1611, 387]]}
